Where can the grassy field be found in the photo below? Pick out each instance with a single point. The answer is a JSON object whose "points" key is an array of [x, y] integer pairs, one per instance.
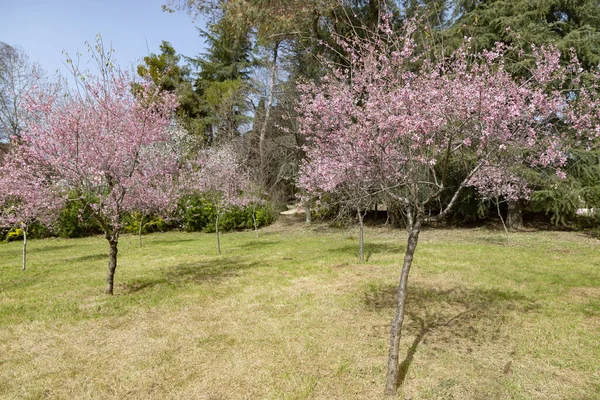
{"points": [[292, 315]]}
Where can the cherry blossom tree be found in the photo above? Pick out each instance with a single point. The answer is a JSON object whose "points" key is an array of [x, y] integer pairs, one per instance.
{"points": [[397, 117], [98, 140], [161, 192], [159, 197], [351, 193], [26, 196], [253, 196], [218, 175], [494, 183]]}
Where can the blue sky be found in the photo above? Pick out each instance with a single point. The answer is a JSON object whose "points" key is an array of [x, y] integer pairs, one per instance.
{"points": [[43, 29]]}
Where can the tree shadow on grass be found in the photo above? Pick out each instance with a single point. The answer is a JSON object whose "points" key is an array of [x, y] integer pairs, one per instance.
{"points": [[167, 241], [496, 240], [454, 315], [259, 243], [50, 248], [90, 257], [370, 249], [214, 271], [192, 273], [139, 284]]}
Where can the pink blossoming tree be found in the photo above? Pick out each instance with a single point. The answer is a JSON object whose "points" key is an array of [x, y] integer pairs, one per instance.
{"points": [[350, 194], [26, 196], [219, 176], [99, 142], [254, 196], [493, 183], [160, 191], [397, 117]]}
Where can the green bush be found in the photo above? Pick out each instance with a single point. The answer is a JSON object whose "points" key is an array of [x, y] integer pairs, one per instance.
{"points": [[590, 223], [39, 231], [150, 224], [194, 213], [71, 224], [198, 214]]}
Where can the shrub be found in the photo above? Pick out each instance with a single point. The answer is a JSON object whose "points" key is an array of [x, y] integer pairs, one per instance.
{"points": [[151, 223], [71, 224], [198, 214], [589, 222]]}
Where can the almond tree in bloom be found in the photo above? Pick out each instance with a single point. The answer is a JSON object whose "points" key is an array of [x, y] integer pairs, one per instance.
{"points": [[494, 183], [398, 117], [162, 191], [26, 196], [159, 196], [253, 196], [97, 142], [351, 194], [219, 176]]}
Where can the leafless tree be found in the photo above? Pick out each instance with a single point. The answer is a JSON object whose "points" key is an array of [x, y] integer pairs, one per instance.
{"points": [[17, 75]]}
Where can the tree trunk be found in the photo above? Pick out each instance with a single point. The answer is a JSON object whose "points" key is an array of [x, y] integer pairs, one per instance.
{"points": [[393, 368], [394, 215], [502, 220], [308, 216], [254, 220], [263, 128], [24, 229], [112, 266], [514, 217], [217, 232], [361, 242], [140, 230]]}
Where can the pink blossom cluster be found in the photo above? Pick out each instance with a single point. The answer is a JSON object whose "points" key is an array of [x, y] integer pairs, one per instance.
{"points": [[396, 117], [26, 194], [218, 173], [100, 142], [492, 182]]}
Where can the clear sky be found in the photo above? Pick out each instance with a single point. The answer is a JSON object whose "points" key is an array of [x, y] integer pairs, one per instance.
{"points": [[43, 29]]}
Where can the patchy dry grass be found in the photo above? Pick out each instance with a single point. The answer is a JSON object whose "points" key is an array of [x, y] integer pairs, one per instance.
{"points": [[292, 315]]}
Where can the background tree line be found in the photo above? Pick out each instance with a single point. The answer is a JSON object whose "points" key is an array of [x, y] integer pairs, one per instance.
{"points": [[243, 89], [259, 50], [342, 103]]}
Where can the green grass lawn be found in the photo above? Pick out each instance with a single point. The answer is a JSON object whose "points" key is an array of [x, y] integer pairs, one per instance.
{"points": [[292, 315]]}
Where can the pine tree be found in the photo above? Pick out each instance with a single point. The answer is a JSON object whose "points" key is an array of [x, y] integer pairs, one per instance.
{"points": [[223, 80], [525, 24], [166, 71], [564, 23]]}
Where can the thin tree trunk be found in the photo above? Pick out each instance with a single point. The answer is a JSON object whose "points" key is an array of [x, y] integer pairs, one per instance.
{"points": [[112, 265], [24, 229], [502, 219], [254, 220], [217, 232], [514, 216], [308, 216], [263, 128], [361, 242], [140, 230], [393, 367], [394, 215]]}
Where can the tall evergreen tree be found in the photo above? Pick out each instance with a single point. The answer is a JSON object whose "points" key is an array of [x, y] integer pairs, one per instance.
{"points": [[564, 23], [223, 80], [529, 24], [166, 71], [435, 13]]}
